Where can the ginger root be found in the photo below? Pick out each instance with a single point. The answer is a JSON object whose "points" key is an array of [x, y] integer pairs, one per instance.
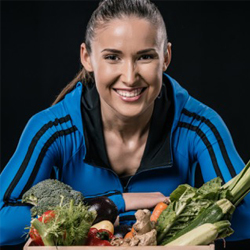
{"points": [[147, 239], [145, 232], [143, 223]]}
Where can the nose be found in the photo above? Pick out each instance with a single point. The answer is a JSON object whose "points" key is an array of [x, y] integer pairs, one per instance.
{"points": [[129, 73]]}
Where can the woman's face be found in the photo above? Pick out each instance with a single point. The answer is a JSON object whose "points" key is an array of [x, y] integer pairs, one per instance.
{"points": [[127, 58]]}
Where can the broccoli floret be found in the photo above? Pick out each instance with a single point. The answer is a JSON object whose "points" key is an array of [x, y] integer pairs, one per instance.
{"points": [[47, 194]]}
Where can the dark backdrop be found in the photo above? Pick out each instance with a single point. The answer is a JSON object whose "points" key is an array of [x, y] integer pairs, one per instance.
{"points": [[40, 54]]}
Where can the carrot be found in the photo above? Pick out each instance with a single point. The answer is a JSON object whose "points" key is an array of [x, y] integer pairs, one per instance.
{"points": [[130, 234], [158, 210]]}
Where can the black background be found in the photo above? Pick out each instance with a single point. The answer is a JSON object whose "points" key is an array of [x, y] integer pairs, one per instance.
{"points": [[40, 43]]}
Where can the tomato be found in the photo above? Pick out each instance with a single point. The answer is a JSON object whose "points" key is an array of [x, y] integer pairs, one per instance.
{"points": [[99, 237], [45, 218]]}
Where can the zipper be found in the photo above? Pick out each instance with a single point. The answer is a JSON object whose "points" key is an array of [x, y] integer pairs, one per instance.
{"points": [[143, 171], [112, 171], [169, 165]]}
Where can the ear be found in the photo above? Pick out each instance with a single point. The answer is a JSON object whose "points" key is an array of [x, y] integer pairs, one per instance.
{"points": [[85, 58], [167, 57]]}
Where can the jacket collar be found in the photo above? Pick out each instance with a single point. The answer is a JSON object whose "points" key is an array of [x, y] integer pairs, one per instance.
{"points": [[158, 151], [180, 97]]}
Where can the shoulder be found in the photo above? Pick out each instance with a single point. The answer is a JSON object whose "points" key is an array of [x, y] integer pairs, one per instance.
{"points": [[202, 127], [62, 118], [198, 114], [188, 111]]}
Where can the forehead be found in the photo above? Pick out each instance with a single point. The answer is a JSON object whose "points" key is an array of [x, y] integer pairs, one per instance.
{"points": [[128, 33]]}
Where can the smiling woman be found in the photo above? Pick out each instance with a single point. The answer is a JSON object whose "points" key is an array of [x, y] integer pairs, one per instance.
{"points": [[128, 78], [122, 128]]}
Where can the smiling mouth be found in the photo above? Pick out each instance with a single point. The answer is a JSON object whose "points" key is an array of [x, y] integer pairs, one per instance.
{"points": [[129, 93]]}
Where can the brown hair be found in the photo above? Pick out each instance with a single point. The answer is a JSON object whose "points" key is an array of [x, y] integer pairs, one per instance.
{"points": [[106, 11]]}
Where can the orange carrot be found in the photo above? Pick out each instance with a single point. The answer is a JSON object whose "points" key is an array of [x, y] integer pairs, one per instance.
{"points": [[158, 210], [128, 235]]}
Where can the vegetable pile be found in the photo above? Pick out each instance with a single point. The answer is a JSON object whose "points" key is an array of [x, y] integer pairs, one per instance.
{"points": [[64, 217], [195, 210], [194, 216]]}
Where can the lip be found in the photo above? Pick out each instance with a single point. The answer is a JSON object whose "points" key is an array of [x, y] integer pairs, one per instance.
{"points": [[129, 90], [130, 99]]}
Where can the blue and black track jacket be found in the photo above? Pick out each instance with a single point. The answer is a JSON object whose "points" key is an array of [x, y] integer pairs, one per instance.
{"points": [[63, 140]]}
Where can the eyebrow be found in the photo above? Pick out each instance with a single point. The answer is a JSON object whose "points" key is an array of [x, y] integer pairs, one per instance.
{"points": [[120, 52]]}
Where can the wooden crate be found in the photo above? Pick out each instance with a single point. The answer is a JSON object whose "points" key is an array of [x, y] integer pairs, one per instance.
{"points": [[30, 246]]}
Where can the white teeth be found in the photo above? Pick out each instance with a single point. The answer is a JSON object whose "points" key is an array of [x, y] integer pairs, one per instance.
{"points": [[133, 93]]}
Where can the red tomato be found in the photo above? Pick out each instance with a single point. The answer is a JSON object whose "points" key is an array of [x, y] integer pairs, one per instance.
{"points": [[34, 235], [47, 216]]}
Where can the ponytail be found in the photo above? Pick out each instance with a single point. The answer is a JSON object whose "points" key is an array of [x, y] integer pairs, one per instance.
{"points": [[82, 76]]}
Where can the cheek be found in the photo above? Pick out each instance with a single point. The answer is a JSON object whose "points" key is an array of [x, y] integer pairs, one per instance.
{"points": [[152, 73], [102, 71], [104, 75]]}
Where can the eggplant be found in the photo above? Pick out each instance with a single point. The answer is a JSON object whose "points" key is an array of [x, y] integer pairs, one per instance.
{"points": [[122, 230], [105, 208]]}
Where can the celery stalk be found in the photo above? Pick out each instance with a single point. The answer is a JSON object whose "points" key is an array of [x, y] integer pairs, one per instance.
{"points": [[239, 186], [201, 235], [43, 232]]}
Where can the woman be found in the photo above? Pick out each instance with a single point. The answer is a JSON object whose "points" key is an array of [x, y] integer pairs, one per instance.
{"points": [[122, 128]]}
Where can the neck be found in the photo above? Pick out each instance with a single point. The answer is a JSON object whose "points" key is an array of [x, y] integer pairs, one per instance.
{"points": [[127, 128]]}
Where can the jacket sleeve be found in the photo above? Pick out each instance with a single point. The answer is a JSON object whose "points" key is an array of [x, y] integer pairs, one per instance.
{"points": [[47, 143], [36, 154], [216, 154]]}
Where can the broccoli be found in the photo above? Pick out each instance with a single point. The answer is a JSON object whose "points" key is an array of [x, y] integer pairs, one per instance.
{"points": [[47, 194]]}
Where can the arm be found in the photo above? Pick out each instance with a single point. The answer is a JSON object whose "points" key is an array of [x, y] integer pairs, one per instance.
{"points": [[146, 200], [133, 201], [32, 162], [217, 156]]}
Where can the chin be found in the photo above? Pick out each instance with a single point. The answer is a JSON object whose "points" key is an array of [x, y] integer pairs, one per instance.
{"points": [[128, 112]]}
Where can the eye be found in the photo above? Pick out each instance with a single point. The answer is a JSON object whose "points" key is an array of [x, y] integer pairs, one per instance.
{"points": [[111, 57], [146, 57]]}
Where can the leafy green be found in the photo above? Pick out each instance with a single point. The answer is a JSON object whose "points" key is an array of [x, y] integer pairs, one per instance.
{"points": [[183, 191], [187, 203], [69, 227]]}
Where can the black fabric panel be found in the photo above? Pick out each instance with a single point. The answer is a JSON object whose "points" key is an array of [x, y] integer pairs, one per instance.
{"points": [[158, 149], [198, 181], [96, 154], [127, 217]]}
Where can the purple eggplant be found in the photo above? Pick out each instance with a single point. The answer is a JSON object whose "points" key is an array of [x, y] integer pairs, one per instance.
{"points": [[105, 208]]}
